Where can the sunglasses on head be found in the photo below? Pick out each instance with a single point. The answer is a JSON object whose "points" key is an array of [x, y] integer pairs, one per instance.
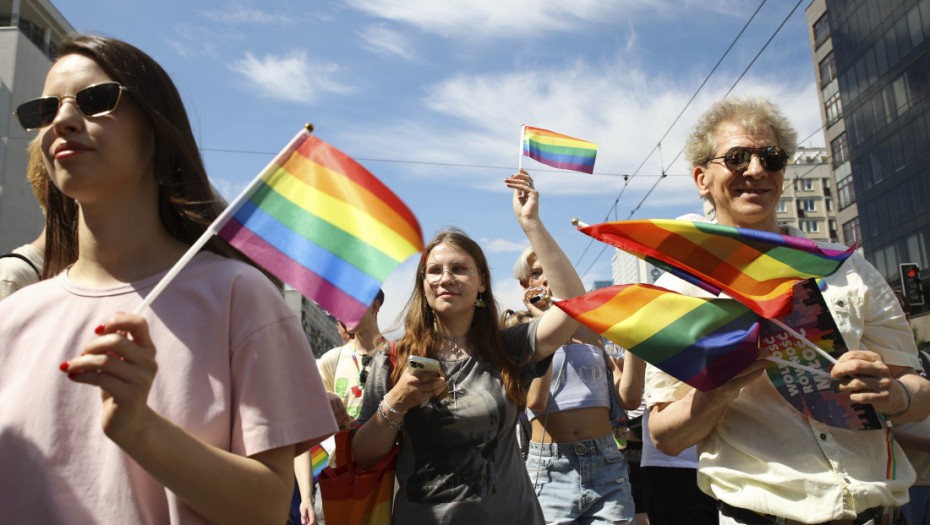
{"points": [[772, 158], [92, 101]]}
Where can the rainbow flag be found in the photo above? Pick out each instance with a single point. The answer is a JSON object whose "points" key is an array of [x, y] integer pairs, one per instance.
{"points": [[703, 342], [559, 151], [319, 458], [323, 224], [755, 267]]}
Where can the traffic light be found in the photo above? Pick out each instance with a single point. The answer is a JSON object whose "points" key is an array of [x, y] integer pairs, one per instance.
{"points": [[910, 284]]}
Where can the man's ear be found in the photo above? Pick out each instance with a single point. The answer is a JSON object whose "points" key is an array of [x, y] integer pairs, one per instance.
{"points": [[702, 180]]}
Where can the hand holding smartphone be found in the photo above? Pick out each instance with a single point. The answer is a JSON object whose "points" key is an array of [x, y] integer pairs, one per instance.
{"points": [[422, 365]]}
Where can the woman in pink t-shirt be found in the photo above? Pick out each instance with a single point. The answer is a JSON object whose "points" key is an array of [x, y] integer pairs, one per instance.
{"points": [[198, 432]]}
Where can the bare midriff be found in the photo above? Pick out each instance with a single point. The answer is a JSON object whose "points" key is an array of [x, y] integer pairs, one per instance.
{"points": [[572, 425]]}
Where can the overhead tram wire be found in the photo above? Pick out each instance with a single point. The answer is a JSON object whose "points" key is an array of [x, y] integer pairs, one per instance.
{"points": [[423, 162], [658, 145], [735, 83], [769, 41], [614, 207]]}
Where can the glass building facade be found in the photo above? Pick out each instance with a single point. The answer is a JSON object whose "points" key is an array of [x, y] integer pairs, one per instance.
{"points": [[881, 61]]}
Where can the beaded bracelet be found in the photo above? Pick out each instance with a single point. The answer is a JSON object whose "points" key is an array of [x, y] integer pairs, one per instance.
{"points": [[391, 409], [906, 407], [394, 426]]}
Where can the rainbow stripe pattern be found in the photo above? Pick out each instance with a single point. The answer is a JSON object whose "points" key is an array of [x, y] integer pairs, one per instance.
{"points": [[559, 151], [319, 458], [754, 267], [703, 342], [323, 224]]}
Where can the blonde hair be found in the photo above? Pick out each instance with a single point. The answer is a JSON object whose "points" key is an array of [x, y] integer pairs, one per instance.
{"points": [[521, 269], [753, 114], [515, 317], [36, 174]]}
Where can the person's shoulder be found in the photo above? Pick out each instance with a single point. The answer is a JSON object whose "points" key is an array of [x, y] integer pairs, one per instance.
{"points": [[33, 296], [332, 354]]}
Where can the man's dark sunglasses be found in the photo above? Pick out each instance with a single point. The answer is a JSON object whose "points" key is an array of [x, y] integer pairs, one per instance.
{"points": [[92, 101], [772, 158]]}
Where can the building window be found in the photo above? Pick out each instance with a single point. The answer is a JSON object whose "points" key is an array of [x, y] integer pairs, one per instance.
{"points": [[834, 108], [810, 226], [827, 69], [829, 204], [803, 184], [845, 192], [808, 205], [851, 231], [821, 30], [840, 150], [782, 207]]}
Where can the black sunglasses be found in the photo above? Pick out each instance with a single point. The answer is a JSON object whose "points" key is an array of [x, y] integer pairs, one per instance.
{"points": [[363, 373], [772, 158], [92, 101]]}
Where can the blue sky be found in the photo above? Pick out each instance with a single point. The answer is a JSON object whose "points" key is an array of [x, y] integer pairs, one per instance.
{"points": [[430, 95]]}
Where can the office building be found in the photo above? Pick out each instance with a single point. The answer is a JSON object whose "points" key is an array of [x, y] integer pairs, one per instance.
{"points": [[319, 327], [629, 269], [872, 61], [30, 31], [808, 199]]}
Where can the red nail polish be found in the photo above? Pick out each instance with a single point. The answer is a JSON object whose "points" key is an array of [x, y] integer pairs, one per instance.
{"points": [[99, 330], [63, 367]]}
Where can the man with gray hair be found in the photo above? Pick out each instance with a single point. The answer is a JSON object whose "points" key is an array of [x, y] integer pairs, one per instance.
{"points": [[763, 460]]}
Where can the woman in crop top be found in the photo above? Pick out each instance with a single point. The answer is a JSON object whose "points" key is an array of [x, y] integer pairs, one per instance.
{"points": [[574, 463]]}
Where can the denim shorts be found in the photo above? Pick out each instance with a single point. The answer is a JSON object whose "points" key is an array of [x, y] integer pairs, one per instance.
{"points": [[581, 482]]}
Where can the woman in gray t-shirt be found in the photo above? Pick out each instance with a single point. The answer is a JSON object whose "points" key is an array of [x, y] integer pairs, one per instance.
{"points": [[459, 461]]}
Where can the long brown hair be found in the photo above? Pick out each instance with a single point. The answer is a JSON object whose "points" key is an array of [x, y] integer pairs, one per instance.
{"points": [[421, 336], [187, 202]]}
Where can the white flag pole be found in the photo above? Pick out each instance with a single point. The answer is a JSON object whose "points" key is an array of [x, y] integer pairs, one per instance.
{"points": [[215, 226], [520, 158], [804, 340], [815, 371]]}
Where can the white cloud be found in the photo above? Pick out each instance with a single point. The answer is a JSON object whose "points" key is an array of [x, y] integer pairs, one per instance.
{"points": [[290, 78], [380, 39], [501, 245], [478, 19], [616, 105], [236, 13]]}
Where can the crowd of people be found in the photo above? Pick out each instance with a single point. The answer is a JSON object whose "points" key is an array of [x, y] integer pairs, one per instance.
{"points": [[186, 412]]}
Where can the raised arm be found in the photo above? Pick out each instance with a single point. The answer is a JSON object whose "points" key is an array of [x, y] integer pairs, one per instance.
{"points": [[632, 378], [556, 326]]}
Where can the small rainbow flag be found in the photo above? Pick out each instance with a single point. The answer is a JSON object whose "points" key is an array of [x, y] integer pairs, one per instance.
{"points": [[319, 458], [559, 151], [323, 224], [755, 267], [703, 342]]}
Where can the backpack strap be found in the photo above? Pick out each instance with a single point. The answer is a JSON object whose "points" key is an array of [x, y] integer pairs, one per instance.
{"points": [[617, 413], [24, 259]]}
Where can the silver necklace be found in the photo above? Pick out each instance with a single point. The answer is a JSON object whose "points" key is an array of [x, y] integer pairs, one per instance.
{"points": [[455, 352]]}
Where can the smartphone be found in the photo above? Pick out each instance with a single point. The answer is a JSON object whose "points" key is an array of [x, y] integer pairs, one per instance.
{"points": [[422, 365]]}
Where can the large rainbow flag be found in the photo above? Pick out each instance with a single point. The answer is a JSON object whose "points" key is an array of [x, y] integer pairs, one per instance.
{"points": [[755, 267], [323, 224], [559, 151], [703, 342]]}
